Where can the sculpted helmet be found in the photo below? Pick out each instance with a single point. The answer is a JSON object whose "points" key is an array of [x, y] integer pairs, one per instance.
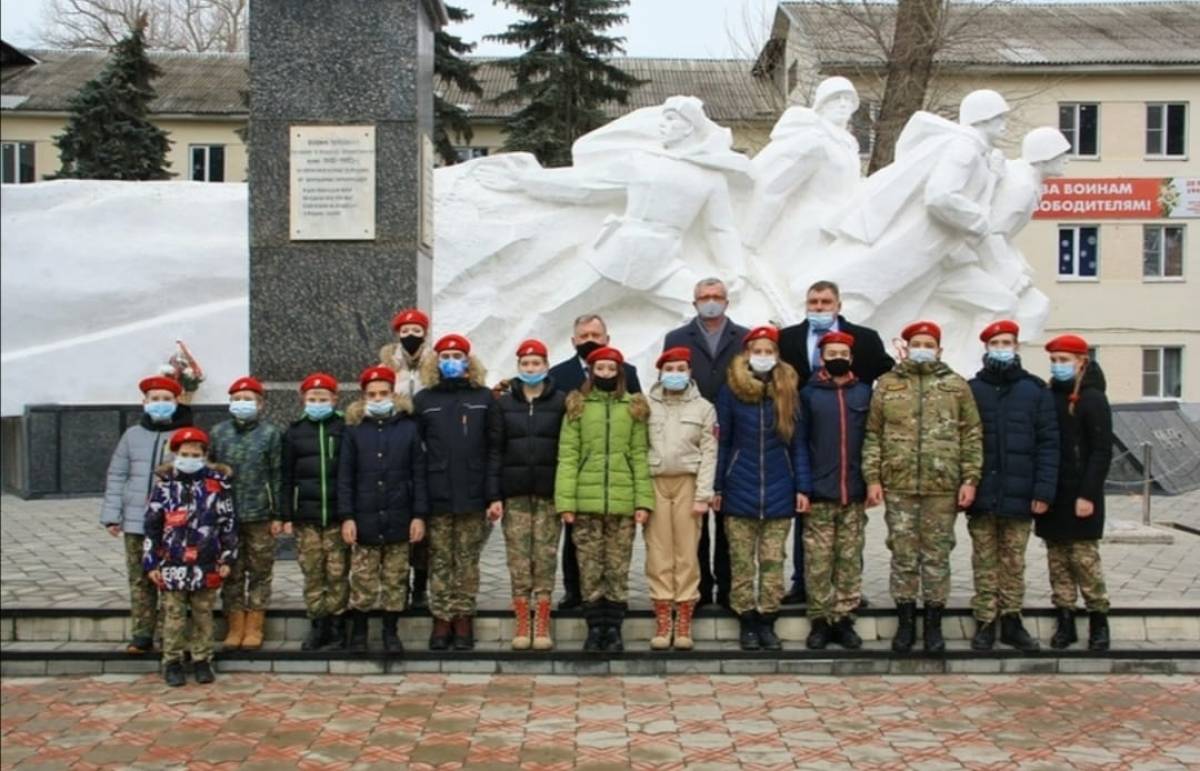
{"points": [[981, 105], [1043, 144], [831, 87]]}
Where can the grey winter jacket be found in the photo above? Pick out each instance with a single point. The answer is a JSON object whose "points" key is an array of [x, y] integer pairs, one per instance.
{"points": [[131, 471]]}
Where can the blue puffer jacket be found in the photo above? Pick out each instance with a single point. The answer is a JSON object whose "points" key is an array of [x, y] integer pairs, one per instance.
{"points": [[758, 474], [833, 426], [1020, 442]]}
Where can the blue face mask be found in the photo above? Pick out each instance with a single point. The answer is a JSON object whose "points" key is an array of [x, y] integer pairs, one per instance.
{"points": [[1063, 371], [159, 412], [676, 381], [452, 369], [188, 465], [1001, 357], [922, 355], [821, 321], [532, 378], [318, 410], [710, 309], [244, 410], [380, 409]]}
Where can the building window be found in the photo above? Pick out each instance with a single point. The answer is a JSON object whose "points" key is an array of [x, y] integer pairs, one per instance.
{"points": [[1166, 127], [16, 162], [1079, 123], [1162, 370], [208, 163], [1078, 252], [470, 153], [1162, 251]]}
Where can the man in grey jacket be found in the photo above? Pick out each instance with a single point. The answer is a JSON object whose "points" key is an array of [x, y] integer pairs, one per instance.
{"points": [[130, 473]]}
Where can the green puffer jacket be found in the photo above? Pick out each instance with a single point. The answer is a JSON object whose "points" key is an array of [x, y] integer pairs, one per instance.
{"points": [[924, 436], [254, 450], [602, 455]]}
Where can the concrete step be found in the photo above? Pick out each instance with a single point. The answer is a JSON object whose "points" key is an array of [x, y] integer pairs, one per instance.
{"points": [[1161, 625], [875, 658]]}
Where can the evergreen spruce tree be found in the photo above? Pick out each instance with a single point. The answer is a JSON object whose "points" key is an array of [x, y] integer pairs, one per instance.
{"points": [[563, 79], [450, 67], [108, 134]]}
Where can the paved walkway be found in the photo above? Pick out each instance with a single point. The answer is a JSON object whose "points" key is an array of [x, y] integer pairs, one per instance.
{"points": [[419, 722], [56, 555]]}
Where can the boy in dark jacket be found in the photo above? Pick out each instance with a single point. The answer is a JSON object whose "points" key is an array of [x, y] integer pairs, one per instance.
{"points": [[522, 461], [382, 502], [1074, 525], [453, 411], [832, 428], [1020, 467], [308, 507], [191, 542], [141, 449]]}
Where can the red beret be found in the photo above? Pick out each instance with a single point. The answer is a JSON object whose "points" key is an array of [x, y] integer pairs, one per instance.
{"points": [[605, 354], [1002, 327], [758, 333], [845, 338], [678, 353], [160, 383], [533, 348], [922, 328], [189, 434], [247, 383], [1068, 344], [409, 316], [452, 343], [371, 374], [319, 380]]}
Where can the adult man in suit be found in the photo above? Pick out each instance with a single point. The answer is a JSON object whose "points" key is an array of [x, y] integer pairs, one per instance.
{"points": [[798, 347], [714, 340], [589, 334]]}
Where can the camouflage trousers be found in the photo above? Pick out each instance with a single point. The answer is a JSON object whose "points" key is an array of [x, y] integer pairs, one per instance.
{"points": [[998, 560], [920, 537], [604, 545], [143, 594], [324, 560], [379, 577], [455, 545], [834, 536], [672, 537], [248, 586], [531, 530], [1075, 569], [756, 546], [176, 637]]}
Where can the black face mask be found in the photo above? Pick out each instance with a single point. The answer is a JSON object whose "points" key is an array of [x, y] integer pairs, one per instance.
{"points": [[585, 349], [837, 367], [606, 384], [412, 343]]}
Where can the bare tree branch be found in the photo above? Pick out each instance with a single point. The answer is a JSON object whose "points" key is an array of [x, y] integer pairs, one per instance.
{"points": [[173, 25]]}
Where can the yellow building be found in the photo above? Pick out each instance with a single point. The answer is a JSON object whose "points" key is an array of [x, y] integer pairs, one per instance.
{"points": [[1121, 80]]}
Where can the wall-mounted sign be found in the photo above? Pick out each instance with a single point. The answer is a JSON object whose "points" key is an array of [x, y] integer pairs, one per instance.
{"points": [[1109, 198]]}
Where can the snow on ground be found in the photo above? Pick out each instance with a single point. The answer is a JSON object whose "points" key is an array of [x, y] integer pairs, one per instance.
{"points": [[100, 278]]}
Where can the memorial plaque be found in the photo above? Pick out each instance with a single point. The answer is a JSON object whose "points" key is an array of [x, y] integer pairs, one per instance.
{"points": [[332, 183]]}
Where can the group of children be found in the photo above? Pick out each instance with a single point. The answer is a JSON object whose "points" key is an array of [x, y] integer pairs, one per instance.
{"points": [[428, 457]]}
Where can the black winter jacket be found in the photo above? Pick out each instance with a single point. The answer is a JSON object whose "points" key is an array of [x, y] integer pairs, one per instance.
{"points": [[381, 474], [1085, 452], [523, 442], [1020, 442], [310, 470], [833, 427]]}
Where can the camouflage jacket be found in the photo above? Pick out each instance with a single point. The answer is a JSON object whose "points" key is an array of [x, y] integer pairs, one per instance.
{"points": [[254, 450], [924, 436]]}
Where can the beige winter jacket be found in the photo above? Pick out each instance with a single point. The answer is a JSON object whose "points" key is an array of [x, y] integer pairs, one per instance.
{"points": [[683, 437]]}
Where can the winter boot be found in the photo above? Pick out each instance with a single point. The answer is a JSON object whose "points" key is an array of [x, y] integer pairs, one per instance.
{"points": [[236, 619], [391, 639], [358, 631], [464, 633], [1098, 631], [662, 626], [593, 612], [748, 631], [766, 632], [337, 633], [616, 618], [439, 638], [1012, 632], [541, 626], [934, 642], [985, 635], [174, 675], [253, 638], [318, 634], [1064, 633], [683, 626], [522, 634], [906, 627], [818, 635], [203, 672], [845, 635]]}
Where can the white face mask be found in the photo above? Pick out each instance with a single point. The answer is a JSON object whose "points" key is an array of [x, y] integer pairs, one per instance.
{"points": [[188, 465], [763, 364]]}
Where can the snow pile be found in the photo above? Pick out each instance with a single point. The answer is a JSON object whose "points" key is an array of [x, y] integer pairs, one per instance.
{"points": [[101, 278]]}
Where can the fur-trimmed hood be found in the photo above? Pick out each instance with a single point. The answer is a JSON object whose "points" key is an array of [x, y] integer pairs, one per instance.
{"points": [[431, 376], [357, 411], [393, 355], [163, 470], [747, 388], [639, 407]]}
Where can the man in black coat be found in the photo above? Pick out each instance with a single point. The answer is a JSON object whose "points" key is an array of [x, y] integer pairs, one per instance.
{"points": [[798, 347], [714, 340], [590, 333]]}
